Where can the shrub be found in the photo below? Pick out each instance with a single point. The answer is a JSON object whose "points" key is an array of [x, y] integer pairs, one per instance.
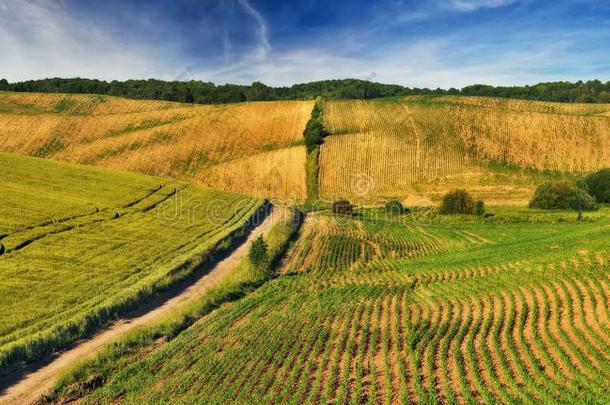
{"points": [[598, 185], [342, 207], [582, 201], [395, 207], [562, 195], [479, 208], [259, 254], [315, 132], [458, 202], [1, 249]]}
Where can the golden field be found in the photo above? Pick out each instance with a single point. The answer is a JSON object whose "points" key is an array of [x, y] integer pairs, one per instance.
{"points": [[416, 147], [499, 149], [158, 138]]}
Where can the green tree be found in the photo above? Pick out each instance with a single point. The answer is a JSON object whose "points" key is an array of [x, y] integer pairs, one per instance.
{"points": [[458, 202], [259, 254], [315, 132], [258, 92], [562, 195], [598, 185], [479, 208], [603, 97], [395, 207]]}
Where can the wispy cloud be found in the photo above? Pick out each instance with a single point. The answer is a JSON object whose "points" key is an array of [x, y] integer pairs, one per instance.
{"points": [[416, 43], [41, 39], [264, 47], [472, 5]]}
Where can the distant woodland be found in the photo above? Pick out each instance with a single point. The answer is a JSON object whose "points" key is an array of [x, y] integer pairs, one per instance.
{"points": [[200, 92]]}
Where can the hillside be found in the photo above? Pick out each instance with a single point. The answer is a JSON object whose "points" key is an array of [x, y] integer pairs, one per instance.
{"points": [[415, 147], [385, 310], [252, 148], [79, 245], [499, 149]]}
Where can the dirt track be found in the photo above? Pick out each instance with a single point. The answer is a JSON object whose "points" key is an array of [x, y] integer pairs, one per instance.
{"points": [[37, 382]]}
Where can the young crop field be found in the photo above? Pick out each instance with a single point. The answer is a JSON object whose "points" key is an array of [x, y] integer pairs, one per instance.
{"points": [[416, 308], [427, 145], [79, 245], [160, 138]]}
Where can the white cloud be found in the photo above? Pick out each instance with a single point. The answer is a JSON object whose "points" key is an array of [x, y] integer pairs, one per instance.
{"points": [[423, 63], [472, 5], [264, 47], [41, 39]]}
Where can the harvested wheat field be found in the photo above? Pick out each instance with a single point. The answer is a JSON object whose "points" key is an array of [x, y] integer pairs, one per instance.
{"points": [[500, 149], [159, 138]]}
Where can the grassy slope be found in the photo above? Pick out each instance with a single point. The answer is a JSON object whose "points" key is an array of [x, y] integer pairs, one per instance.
{"points": [[255, 148], [243, 279], [499, 149], [82, 243], [388, 310]]}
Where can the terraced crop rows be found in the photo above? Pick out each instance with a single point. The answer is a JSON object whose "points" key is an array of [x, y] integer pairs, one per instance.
{"points": [[162, 138], [482, 313]]}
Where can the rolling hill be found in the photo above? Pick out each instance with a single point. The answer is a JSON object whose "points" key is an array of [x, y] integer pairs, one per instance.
{"points": [[254, 148], [499, 149], [371, 308], [79, 245], [417, 147]]}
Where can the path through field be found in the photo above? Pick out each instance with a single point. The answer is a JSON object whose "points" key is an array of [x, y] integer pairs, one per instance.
{"points": [[34, 384]]}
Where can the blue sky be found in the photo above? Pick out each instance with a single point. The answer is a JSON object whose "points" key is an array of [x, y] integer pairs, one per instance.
{"points": [[446, 43]]}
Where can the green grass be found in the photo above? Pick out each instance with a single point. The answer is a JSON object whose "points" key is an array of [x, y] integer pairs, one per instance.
{"points": [[385, 309], [243, 279], [85, 244]]}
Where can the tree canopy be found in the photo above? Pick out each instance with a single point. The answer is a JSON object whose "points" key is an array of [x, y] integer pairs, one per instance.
{"points": [[200, 92]]}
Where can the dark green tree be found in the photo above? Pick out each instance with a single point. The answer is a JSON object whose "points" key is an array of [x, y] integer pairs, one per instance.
{"points": [[259, 254], [562, 195], [258, 92], [395, 207], [598, 185], [458, 202]]}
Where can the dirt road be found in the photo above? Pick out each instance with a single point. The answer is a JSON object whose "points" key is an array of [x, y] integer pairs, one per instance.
{"points": [[34, 384]]}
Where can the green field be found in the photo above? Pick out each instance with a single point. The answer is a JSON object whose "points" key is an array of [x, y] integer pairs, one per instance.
{"points": [[418, 308], [82, 244], [512, 307]]}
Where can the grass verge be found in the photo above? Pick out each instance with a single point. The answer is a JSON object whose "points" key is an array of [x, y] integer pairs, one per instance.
{"points": [[93, 372]]}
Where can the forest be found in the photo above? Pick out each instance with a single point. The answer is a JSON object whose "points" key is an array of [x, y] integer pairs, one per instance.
{"points": [[200, 92]]}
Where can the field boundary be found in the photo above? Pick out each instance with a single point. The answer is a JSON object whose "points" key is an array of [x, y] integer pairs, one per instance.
{"points": [[15, 358], [171, 324]]}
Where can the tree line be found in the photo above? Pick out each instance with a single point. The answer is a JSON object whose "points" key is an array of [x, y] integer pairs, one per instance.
{"points": [[200, 92]]}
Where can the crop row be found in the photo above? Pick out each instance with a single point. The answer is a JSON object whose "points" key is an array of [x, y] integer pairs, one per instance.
{"points": [[165, 139], [380, 149]]}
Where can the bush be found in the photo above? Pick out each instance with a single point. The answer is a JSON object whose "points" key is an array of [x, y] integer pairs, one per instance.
{"points": [[315, 132], [1, 249], [458, 202], [479, 208], [598, 185], [259, 254], [342, 207], [395, 207], [562, 195]]}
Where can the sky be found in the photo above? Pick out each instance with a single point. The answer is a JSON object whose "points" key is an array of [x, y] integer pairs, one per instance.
{"points": [[416, 43]]}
